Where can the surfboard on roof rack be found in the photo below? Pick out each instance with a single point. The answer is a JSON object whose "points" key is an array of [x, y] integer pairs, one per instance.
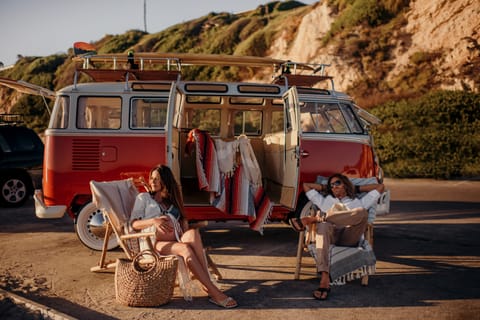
{"points": [[192, 59]]}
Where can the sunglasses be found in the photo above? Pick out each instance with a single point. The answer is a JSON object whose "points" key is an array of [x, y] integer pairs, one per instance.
{"points": [[335, 184]]}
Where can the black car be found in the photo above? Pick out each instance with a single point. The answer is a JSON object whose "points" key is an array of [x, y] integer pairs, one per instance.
{"points": [[21, 159]]}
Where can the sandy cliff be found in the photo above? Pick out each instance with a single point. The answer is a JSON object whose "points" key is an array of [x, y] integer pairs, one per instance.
{"points": [[450, 29]]}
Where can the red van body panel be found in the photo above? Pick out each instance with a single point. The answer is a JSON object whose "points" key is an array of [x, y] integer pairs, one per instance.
{"points": [[104, 157], [326, 157]]}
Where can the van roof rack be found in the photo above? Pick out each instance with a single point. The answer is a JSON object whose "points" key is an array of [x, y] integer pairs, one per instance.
{"points": [[151, 66], [11, 119], [107, 75]]}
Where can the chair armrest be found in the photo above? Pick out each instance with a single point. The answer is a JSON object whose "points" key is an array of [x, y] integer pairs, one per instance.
{"points": [[137, 235]]}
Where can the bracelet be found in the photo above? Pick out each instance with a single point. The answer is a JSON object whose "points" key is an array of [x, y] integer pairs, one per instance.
{"points": [[357, 189]]}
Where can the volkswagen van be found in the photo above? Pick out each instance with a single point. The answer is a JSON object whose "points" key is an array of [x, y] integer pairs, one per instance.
{"points": [[125, 121]]}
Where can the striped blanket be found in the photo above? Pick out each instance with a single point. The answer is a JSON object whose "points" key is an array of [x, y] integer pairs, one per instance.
{"points": [[233, 190], [349, 263], [208, 172], [239, 196]]}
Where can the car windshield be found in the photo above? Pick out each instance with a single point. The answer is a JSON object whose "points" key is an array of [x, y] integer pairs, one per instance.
{"points": [[19, 139], [320, 117]]}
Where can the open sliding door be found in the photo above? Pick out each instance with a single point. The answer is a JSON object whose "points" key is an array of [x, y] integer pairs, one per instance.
{"points": [[291, 149], [174, 116]]}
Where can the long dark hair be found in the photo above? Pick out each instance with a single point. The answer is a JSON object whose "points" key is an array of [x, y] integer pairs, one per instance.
{"points": [[174, 196], [349, 188]]}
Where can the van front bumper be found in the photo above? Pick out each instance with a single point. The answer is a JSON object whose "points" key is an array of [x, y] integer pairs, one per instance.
{"points": [[47, 212]]}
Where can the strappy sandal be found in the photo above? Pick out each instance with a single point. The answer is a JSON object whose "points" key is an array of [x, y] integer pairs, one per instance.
{"points": [[318, 294], [227, 303], [297, 224]]}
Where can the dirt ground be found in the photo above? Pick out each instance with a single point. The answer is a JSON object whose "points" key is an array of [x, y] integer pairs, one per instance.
{"points": [[427, 248]]}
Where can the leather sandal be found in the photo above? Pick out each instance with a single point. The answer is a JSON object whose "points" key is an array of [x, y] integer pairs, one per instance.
{"points": [[318, 294]]}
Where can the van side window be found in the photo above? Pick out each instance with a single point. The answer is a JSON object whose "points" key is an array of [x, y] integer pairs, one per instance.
{"points": [[355, 126], [248, 122], [205, 119], [99, 112], [288, 121], [148, 113], [277, 121], [60, 113]]}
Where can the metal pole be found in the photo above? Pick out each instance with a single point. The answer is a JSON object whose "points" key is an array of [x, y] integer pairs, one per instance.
{"points": [[145, 15]]}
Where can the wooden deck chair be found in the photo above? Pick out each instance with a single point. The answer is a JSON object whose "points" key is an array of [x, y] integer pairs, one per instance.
{"points": [[306, 244], [116, 199], [347, 263]]}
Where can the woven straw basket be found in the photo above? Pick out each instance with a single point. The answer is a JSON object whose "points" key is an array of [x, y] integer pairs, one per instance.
{"points": [[145, 284]]}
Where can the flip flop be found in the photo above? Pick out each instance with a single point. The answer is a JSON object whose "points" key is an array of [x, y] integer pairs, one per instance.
{"points": [[228, 303], [297, 224], [320, 292]]}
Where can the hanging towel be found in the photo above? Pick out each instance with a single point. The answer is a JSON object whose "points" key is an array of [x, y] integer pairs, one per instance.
{"points": [[226, 154], [249, 161]]}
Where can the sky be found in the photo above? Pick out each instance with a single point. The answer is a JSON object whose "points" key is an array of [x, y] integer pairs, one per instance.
{"points": [[46, 27]]}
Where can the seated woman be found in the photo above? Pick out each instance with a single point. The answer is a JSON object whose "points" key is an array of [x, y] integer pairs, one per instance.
{"points": [[161, 210], [344, 223]]}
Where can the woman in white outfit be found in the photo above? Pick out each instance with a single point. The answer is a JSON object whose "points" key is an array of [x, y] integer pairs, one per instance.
{"points": [[344, 223]]}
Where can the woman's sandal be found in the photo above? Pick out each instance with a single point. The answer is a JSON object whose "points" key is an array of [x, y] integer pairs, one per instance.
{"points": [[297, 224], [228, 303], [318, 294]]}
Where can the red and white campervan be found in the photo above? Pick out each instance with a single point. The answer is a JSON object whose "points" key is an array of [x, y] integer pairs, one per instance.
{"points": [[124, 122]]}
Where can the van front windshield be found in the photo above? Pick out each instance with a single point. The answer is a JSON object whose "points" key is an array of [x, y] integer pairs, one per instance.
{"points": [[320, 117], [59, 118]]}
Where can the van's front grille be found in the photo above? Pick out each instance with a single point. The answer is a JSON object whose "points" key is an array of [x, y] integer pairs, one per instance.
{"points": [[86, 155]]}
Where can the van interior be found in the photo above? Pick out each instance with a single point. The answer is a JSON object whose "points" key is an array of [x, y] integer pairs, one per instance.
{"points": [[228, 119]]}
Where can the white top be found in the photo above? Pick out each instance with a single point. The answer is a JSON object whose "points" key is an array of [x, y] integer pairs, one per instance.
{"points": [[326, 202], [146, 207]]}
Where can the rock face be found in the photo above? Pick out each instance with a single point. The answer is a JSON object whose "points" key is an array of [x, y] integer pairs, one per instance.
{"points": [[450, 29]]}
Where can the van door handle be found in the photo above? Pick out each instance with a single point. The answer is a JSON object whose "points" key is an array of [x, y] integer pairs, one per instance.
{"points": [[304, 153]]}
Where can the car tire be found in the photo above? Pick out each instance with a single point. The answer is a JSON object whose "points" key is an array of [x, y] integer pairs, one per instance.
{"points": [[90, 228], [14, 189]]}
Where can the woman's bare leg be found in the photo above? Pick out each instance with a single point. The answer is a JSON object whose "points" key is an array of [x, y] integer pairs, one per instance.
{"points": [[194, 239], [194, 264]]}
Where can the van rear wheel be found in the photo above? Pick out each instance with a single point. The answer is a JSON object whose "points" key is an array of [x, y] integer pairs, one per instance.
{"points": [[90, 228]]}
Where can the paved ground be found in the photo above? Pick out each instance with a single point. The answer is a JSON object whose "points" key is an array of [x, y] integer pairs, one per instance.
{"points": [[428, 263]]}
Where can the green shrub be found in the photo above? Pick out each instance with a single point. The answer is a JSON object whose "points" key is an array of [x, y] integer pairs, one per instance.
{"points": [[357, 12], [122, 42], [435, 136]]}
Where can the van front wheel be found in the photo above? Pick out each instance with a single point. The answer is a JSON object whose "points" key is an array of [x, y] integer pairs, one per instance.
{"points": [[90, 228]]}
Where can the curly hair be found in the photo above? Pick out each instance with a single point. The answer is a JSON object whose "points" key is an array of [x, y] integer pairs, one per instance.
{"points": [[349, 188], [174, 196]]}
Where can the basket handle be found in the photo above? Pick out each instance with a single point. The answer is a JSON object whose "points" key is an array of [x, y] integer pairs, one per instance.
{"points": [[136, 261]]}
